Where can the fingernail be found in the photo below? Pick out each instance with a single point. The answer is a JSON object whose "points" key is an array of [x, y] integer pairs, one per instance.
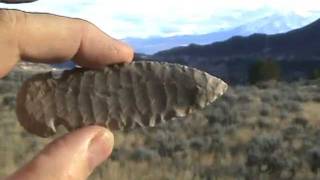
{"points": [[100, 148]]}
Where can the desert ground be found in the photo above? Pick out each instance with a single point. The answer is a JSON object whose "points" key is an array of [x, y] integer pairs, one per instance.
{"points": [[267, 131]]}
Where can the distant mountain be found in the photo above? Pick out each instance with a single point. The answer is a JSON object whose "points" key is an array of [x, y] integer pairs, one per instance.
{"points": [[275, 24], [271, 24], [298, 52], [300, 43]]}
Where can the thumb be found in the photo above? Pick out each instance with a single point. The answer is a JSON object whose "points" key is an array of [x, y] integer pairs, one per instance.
{"points": [[73, 156]]}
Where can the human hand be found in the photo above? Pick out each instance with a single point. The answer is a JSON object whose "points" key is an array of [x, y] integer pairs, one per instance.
{"points": [[73, 156], [53, 39], [45, 38]]}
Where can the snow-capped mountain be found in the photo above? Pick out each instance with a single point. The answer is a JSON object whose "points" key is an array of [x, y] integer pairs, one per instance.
{"points": [[271, 24], [275, 24], [296, 52]]}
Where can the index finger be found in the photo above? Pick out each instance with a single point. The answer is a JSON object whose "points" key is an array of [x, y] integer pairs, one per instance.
{"points": [[47, 38]]}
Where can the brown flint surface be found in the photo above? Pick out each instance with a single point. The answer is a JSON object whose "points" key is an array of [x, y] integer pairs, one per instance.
{"points": [[140, 94]]}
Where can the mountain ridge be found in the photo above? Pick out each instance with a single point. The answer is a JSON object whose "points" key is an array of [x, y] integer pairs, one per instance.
{"points": [[287, 45], [270, 24], [297, 52]]}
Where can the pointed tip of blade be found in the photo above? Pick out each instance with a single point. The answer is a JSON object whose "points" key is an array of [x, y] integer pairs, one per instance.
{"points": [[222, 87], [216, 88], [51, 125]]}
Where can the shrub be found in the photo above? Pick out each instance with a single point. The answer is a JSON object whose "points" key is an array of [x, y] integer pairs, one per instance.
{"points": [[301, 121], [314, 159], [261, 148], [291, 106], [120, 154], [197, 143], [315, 74], [264, 123], [316, 98], [292, 132], [6, 87], [264, 71], [9, 101], [143, 154], [266, 110]]}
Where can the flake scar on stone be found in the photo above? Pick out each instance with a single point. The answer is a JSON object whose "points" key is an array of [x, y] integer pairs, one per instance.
{"points": [[120, 97]]}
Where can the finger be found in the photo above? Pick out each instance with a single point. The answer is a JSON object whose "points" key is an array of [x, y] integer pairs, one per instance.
{"points": [[47, 38], [73, 156], [53, 38]]}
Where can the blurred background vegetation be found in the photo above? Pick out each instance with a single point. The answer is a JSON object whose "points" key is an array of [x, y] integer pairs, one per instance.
{"points": [[268, 130], [264, 70]]}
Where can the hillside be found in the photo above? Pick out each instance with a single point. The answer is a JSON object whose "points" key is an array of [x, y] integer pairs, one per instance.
{"points": [[299, 43], [269, 24], [297, 52], [252, 132]]}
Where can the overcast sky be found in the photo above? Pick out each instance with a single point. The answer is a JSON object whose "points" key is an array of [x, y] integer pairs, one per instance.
{"points": [[144, 18]]}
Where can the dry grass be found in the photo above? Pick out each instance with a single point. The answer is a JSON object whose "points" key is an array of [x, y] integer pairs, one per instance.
{"points": [[267, 132], [311, 112]]}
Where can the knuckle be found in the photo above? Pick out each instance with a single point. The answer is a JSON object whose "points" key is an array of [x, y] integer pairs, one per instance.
{"points": [[85, 27], [122, 51]]}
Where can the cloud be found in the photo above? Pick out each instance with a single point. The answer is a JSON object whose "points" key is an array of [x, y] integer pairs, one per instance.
{"points": [[144, 18]]}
